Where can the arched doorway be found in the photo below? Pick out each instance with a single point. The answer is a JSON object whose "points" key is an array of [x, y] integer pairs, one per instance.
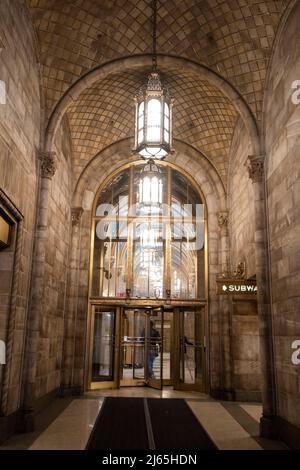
{"points": [[148, 281]]}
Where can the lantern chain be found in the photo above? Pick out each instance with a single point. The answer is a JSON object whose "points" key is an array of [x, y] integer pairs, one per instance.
{"points": [[154, 35]]}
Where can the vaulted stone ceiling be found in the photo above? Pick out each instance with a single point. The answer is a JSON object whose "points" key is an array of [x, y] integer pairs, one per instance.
{"points": [[203, 116], [232, 37]]}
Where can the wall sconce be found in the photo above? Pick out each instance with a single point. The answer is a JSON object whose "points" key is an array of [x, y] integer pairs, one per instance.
{"points": [[5, 231]]}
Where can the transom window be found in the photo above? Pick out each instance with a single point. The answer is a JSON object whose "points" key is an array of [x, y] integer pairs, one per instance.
{"points": [[146, 248]]}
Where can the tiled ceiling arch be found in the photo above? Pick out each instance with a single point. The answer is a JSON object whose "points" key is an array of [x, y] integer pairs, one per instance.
{"points": [[104, 113], [233, 37]]}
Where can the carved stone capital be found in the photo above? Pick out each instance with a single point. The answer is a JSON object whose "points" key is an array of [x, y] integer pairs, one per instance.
{"points": [[223, 219], [48, 164], [240, 271], [255, 167], [76, 213]]}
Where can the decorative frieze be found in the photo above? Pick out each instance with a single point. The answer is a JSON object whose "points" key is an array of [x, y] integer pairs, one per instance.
{"points": [[255, 167], [48, 164]]}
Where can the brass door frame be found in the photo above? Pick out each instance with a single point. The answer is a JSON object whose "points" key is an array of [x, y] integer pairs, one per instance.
{"points": [[175, 347], [178, 385], [128, 382], [103, 384], [170, 381]]}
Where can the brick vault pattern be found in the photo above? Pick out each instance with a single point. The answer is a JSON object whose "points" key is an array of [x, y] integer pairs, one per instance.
{"points": [[203, 116], [234, 37]]}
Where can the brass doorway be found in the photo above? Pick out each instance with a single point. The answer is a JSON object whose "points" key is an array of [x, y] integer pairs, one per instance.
{"points": [[147, 346], [142, 350]]}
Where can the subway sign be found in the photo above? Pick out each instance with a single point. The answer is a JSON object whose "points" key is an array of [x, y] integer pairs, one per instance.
{"points": [[236, 287]]}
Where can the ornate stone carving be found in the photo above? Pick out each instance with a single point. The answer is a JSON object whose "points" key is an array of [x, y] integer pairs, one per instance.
{"points": [[255, 167], [48, 164], [240, 271], [223, 218], [76, 213]]}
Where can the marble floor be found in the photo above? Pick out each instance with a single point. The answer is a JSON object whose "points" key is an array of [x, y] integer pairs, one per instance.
{"points": [[68, 422]]}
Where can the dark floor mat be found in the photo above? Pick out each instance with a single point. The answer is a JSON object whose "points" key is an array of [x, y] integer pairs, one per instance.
{"points": [[121, 424], [175, 426]]}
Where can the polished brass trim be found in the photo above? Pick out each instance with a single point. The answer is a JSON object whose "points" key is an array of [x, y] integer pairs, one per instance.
{"points": [[135, 302]]}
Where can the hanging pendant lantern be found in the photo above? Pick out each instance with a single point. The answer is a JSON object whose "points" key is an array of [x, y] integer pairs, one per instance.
{"points": [[153, 133], [150, 186], [153, 112]]}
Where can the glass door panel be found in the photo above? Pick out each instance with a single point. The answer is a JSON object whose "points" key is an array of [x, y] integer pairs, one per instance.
{"points": [[168, 348], [133, 347], [103, 345], [154, 348], [190, 349]]}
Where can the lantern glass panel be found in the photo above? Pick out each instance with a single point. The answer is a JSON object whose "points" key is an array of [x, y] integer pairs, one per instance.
{"points": [[141, 122], [153, 120]]}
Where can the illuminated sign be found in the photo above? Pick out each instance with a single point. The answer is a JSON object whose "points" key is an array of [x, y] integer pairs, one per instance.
{"points": [[4, 233], [236, 287]]}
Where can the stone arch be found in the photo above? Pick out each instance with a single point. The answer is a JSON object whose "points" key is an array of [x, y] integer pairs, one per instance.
{"points": [[138, 61], [107, 162], [116, 154]]}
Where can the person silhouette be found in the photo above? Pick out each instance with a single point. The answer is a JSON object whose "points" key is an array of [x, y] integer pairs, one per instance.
{"points": [[153, 351]]}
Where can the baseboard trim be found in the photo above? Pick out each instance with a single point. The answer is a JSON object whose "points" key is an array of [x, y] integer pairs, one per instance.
{"points": [[252, 396], [236, 395], [287, 432], [223, 394], [8, 425], [66, 391], [42, 402]]}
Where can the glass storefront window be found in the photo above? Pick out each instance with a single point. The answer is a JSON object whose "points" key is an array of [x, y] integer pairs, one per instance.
{"points": [[149, 249]]}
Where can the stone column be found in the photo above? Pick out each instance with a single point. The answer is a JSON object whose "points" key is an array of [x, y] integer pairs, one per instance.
{"points": [[227, 392], [70, 320], [223, 225], [47, 171], [255, 166]]}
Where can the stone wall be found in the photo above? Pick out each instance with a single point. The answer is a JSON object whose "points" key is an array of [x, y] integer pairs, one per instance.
{"points": [[51, 336], [243, 313], [19, 140], [241, 208], [282, 129], [245, 350]]}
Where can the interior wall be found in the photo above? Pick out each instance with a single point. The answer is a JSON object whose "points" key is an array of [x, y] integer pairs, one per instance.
{"points": [[245, 349], [240, 197], [246, 376], [20, 117], [51, 335], [282, 130]]}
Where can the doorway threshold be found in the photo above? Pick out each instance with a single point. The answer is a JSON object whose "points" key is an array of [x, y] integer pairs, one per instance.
{"points": [[146, 392]]}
